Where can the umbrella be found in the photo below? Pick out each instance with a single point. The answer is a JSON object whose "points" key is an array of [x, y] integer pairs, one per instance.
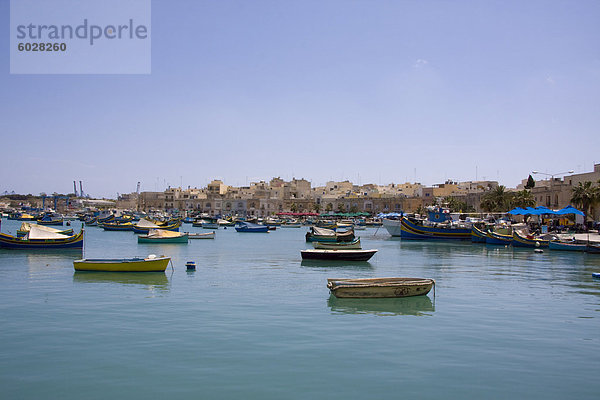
{"points": [[569, 210], [517, 211]]}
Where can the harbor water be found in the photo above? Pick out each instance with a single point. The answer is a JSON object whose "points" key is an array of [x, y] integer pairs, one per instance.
{"points": [[255, 322]]}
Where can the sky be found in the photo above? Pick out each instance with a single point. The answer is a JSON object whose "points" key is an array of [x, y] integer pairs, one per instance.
{"points": [[370, 91]]}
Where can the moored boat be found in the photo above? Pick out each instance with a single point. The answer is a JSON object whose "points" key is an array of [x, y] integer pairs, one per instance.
{"points": [[317, 234], [26, 227], [339, 255], [522, 239], [50, 219], [413, 229], [478, 235], [567, 246], [40, 239], [116, 226], [162, 236], [250, 227], [148, 264], [497, 238], [354, 245], [144, 225], [195, 235], [379, 287], [593, 248]]}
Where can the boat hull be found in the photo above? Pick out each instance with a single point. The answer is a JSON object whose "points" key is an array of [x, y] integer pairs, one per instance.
{"points": [[522, 241], [379, 287], [122, 265], [183, 239], [410, 230], [69, 242], [477, 235], [498, 239], [208, 235], [338, 255], [355, 245], [555, 245]]}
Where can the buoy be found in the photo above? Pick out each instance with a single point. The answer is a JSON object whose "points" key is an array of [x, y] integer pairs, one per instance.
{"points": [[538, 251], [190, 265]]}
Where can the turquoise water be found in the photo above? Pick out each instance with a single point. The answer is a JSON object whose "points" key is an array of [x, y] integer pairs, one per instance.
{"points": [[254, 322]]}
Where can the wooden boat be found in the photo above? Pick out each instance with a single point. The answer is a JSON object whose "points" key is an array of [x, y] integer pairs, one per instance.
{"points": [[161, 236], [521, 239], [50, 219], [354, 245], [317, 234], [593, 248], [250, 227], [379, 287], [478, 235], [26, 227], [210, 225], [144, 226], [496, 238], [39, 239], [291, 225], [148, 264], [116, 226], [207, 235], [91, 221], [339, 255], [567, 246], [407, 229]]}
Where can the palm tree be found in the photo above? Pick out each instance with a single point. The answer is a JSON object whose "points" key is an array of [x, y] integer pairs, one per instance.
{"points": [[293, 207], [497, 199], [585, 195], [316, 207], [523, 199]]}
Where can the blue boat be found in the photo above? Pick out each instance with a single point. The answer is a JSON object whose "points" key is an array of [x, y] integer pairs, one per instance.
{"points": [[496, 238], [478, 235], [249, 227], [566, 246], [521, 240], [413, 230]]}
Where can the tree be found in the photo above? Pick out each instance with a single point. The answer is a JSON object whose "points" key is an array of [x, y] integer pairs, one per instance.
{"points": [[497, 199], [316, 207], [523, 199], [329, 207], [456, 205], [340, 207], [584, 196], [293, 207], [530, 183]]}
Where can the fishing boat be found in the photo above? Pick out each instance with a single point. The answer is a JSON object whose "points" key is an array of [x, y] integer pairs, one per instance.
{"points": [[161, 236], [144, 225], [40, 239], [316, 234], [207, 235], [478, 235], [210, 225], [593, 248], [151, 263], [523, 239], [50, 219], [26, 227], [408, 228], [567, 246], [379, 287], [337, 255], [187, 220], [90, 221], [224, 222], [354, 245], [116, 226], [250, 227]]}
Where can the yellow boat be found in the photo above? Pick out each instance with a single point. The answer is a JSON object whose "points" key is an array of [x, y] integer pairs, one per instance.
{"points": [[151, 263]]}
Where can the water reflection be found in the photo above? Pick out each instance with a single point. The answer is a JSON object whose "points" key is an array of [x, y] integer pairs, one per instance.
{"points": [[352, 265], [417, 305], [150, 280]]}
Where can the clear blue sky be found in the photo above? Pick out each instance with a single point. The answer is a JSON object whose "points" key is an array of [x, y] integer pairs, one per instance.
{"points": [[370, 91]]}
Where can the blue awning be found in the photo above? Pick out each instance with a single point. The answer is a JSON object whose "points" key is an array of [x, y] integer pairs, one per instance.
{"points": [[517, 211], [569, 210]]}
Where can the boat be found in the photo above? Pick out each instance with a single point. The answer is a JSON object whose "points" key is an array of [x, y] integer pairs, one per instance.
{"points": [[40, 239], [151, 263], [187, 220], [207, 235], [567, 246], [224, 222], [90, 221], [339, 255], [145, 225], [522, 239], [502, 235], [161, 236], [317, 234], [593, 248], [478, 235], [292, 225], [26, 227], [250, 227], [408, 228], [116, 226], [354, 245], [379, 287], [50, 219], [210, 225]]}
